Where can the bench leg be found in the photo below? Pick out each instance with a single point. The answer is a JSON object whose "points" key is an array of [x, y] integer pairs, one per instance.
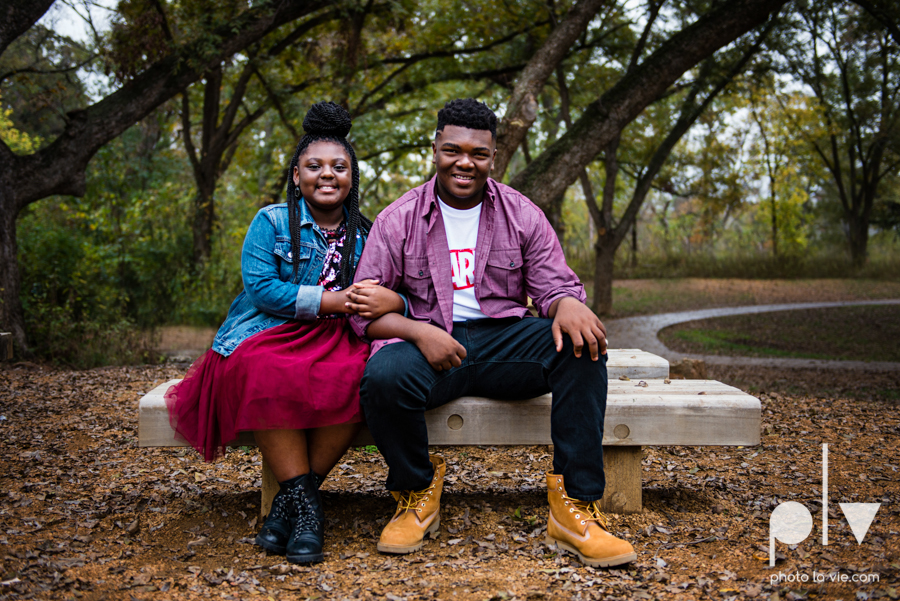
{"points": [[622, 466], [269, 488]]}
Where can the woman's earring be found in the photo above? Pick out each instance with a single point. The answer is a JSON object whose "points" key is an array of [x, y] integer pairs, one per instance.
{"points": [[297, 193]]}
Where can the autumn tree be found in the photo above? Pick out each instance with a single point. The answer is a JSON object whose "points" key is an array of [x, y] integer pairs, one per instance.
{"points": [[658, 60], [58, 167], [851, 65]]}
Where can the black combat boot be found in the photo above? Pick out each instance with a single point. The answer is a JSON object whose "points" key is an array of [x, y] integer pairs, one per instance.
{"points": [[276, 530], [308, 536]]}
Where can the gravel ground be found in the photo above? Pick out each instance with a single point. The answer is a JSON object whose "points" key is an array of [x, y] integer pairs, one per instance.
{"points": [[86, 514]]}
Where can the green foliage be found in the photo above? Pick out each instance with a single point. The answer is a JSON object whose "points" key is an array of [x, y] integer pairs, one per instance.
{"points": [[759, 265], [100, 271], [18, 141], [41, 83], [75, 312]]}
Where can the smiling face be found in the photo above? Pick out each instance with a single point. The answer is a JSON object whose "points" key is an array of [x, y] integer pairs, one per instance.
{"points": [[324, 175], [463, 158]]}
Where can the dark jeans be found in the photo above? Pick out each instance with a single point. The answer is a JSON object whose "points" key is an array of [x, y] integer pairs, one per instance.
{"points": [[507, 359]]}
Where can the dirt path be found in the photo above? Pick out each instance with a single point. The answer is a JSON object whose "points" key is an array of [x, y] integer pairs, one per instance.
{"points": [[88, 515]]}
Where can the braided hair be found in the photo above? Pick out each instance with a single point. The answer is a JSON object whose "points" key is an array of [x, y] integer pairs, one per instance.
{"points": [[329, 122]]}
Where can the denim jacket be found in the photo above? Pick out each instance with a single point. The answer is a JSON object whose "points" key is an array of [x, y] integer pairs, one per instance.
{"points": [[269, 297]]}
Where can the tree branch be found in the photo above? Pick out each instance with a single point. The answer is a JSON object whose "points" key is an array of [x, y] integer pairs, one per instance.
{"points": [[35, 70], [522, 108], [886, 13], [559, 165], [157, 4], [276, 103], [186, 132], [407, 62], [58, 168], [17, 17]]}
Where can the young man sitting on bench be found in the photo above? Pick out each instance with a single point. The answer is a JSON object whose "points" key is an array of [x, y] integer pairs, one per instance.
{"points": [[467, 251]]}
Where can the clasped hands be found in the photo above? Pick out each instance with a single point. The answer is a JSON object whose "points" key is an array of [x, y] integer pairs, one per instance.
{"points": [[366, 298], [371, 300]]}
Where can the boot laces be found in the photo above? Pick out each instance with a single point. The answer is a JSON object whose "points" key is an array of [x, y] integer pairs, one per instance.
{"points": [[306, 518], [590, 511], [281, 506], [413, 499]]}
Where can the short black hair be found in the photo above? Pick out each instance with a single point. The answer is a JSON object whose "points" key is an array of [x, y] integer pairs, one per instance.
{"points": [[468, 113]]}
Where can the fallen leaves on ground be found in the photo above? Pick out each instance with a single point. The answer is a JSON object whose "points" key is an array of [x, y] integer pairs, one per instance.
{"points": [[87, 514]]}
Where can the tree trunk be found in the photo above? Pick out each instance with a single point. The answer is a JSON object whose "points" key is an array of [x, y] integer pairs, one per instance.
{"points": [[522, 108], [634, 246], [555, 217], [11, 316], [774, 223], [204, 221], [604, 257], [17, 17], [858, 236]]}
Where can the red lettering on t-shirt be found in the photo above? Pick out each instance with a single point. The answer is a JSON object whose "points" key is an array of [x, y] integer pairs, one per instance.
{"points": [[462, 263]]}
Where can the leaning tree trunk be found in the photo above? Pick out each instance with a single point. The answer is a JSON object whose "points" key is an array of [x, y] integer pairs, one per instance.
{"points": [[604, 258], [11, 316]]}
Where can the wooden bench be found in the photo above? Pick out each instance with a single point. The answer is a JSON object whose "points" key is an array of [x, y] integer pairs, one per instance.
{"points": [[641, 410]]}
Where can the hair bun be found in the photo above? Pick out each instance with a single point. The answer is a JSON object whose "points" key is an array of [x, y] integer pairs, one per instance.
{"points": [[328, 119]]}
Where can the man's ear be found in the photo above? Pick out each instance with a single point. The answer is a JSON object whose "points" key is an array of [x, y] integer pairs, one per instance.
{"points": [[434, 152], [493, 158]]}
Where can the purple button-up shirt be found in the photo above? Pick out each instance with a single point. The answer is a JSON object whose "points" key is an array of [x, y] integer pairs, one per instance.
{"points": [[517, 255]]}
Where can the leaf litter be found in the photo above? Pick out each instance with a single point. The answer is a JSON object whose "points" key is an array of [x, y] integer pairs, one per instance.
{"points": [[87, 514]]}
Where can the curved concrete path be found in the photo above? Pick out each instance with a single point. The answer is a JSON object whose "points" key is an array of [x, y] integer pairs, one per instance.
{"points": [[641, 332]]}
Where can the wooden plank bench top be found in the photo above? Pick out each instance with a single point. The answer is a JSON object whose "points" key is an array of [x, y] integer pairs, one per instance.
{"points": [[641, 410]]}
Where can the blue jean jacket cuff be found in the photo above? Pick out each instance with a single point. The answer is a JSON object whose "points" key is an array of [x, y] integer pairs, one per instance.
{"points": [[309, 299]]}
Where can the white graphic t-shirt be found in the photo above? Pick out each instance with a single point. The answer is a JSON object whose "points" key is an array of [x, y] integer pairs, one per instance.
{"points": [[462, 238]]}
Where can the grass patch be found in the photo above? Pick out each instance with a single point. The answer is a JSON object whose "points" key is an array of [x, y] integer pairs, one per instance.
{"points": [[862, 333], [719, 342], [648, 297]]}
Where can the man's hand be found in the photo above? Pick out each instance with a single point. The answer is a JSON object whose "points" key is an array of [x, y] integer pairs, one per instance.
{"points": [[371, 301], [441, 350], [572, 317]]}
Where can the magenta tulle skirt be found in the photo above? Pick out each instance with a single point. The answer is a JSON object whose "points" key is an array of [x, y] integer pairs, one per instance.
{"points": [[291, 377]]}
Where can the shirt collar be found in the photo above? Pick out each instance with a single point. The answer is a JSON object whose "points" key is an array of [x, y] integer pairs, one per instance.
{"points": [[431, 203]]}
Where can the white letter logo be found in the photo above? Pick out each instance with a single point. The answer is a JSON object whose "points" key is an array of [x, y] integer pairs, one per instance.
{"points": [[791, 522]]}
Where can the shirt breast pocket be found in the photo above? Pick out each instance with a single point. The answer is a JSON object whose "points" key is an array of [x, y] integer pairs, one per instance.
{"points": [[503, 274], [417, 279], [285, 254]]}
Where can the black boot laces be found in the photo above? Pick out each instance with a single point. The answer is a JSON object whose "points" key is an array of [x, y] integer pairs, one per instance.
{"points": [[306, 517], [282, 504]]}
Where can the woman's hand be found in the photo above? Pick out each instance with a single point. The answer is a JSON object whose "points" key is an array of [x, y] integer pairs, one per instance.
{"points": [[370, 300]]}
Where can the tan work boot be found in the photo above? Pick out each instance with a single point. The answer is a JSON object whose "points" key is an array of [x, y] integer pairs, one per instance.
{"points": [[418, 513], [580, 528]]}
